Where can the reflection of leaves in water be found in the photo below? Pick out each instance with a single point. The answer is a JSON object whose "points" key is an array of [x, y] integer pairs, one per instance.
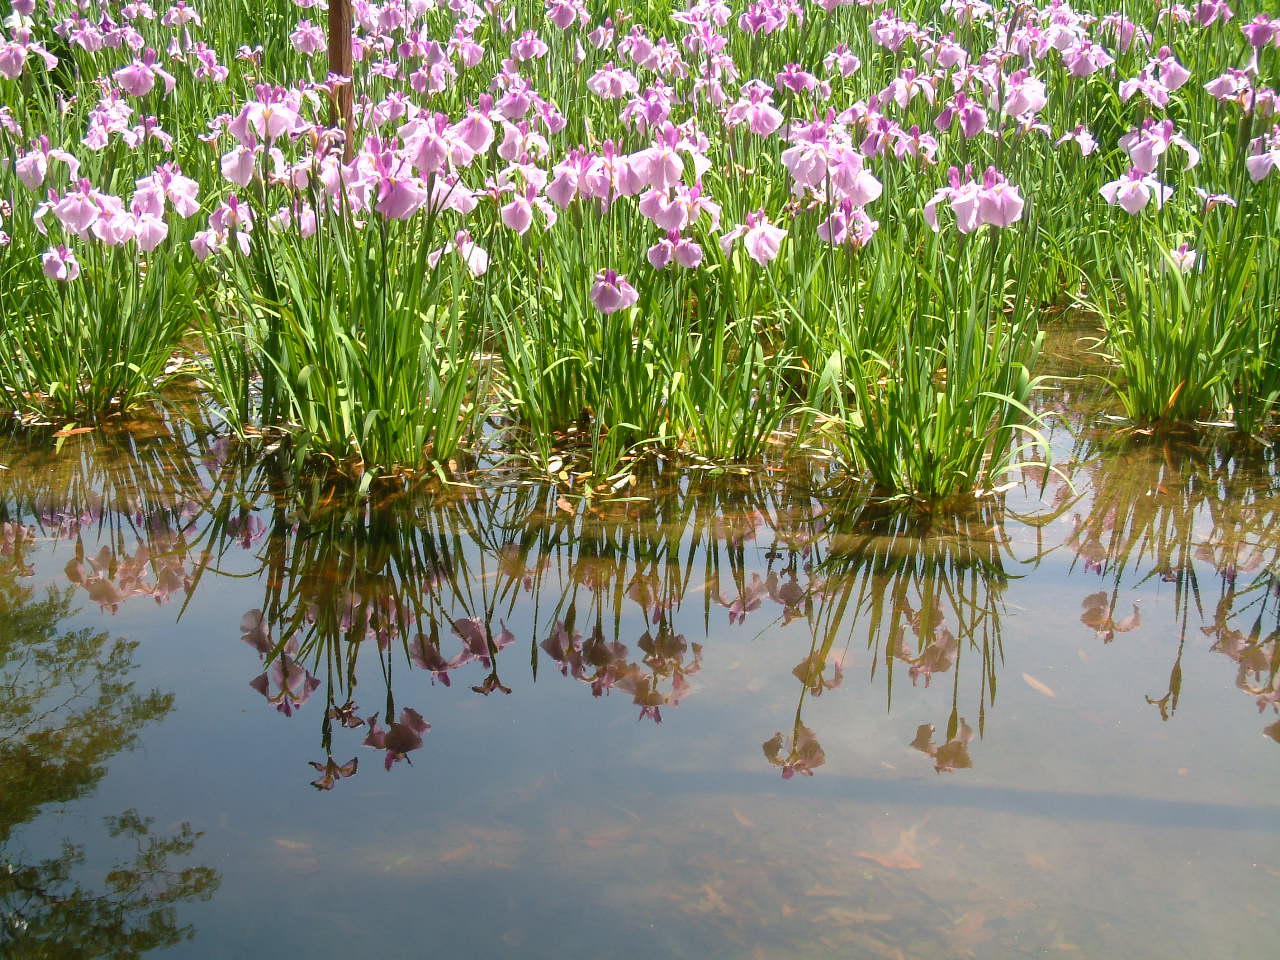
{"points": [[47, 913], [68, 708], [1183, 516]]}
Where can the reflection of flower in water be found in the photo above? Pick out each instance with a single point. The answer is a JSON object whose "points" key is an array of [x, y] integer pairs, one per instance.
{"points": [[478, 642], [286, 684], [512, 565], [425, 654], [936, 653], [736, 529], [645, 589], [217, 453], [1086, 538], [1230, 558], [804, 753], [1273, 731], [404, 736], [809, 671], [603, 664], [331, 772], [1099, 614], [787, 594], [255, 632], [595, 573], [110, 580], [13, 538], [952, 755], [346, 715], [63, 523], [246, 528], [1254, 655], [749, 599]]}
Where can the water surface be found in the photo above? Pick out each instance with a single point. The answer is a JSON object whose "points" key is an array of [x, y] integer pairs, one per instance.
{"points": [[729, 715]]}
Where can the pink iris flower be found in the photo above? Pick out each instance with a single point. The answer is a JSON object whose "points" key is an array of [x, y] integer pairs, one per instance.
{"points": [[32, 167], [1264, 156], [1081, 137], [1135, 190], [139, 78], [1261, 31], [79, 209], [528, 46], [676, 248], [1185, 258], [475, 258], [611, 292], [1209, 12], [754, 109], [308, 38], [1084, 57], [762, 239], [612, 83], [849, 224], [970, 115], [1023, 94], [60, 264], [1148, 143], [996, 201], [999, 202]]}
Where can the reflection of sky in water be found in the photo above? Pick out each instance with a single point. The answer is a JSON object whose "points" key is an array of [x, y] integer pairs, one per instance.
{"points": [[551, 823]]}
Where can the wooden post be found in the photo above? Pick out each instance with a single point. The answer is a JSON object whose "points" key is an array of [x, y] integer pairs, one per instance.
{"points": [[340, 63]]}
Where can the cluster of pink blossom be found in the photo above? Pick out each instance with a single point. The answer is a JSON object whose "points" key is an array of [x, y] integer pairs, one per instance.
{"points": [[462, 110], [83, 211]]}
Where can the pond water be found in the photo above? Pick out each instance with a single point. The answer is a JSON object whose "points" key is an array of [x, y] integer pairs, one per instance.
{"points": [[723, 716]]}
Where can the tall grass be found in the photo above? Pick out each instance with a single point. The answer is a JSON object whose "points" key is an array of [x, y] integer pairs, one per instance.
{"points": [[941, 407], [101, 343], [353, 340], [915, 350]]}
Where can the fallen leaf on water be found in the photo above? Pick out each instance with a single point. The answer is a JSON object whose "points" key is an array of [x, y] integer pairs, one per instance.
{"points": [[901, 857], [823, 891], [713, 902], [1059, 943], [971, 929], [1036, 861], [845, 917], [72, 431], [894, 861], [740, 818], [1038, 686], [457, 853], [565, 505], [494, 836], [606, 837]]}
